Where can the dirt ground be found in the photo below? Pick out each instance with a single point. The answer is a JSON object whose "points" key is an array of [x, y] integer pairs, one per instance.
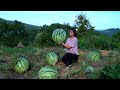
{"points": [[74, 72]]}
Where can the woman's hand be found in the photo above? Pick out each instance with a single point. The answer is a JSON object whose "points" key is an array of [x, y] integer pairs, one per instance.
{"points": [[66, 46], [59, 43]]}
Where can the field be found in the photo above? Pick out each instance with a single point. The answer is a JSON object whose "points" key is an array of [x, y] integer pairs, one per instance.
{"points": [[36, 56], [37, 41]]}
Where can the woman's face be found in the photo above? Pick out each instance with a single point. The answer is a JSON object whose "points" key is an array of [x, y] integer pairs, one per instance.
{"points": [[71, 33]]}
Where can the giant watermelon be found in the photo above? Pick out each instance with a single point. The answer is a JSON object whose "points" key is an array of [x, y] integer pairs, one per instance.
{"points": [[51, 58], [22, 65], [94, 56], [48, 72], [58, 35], [89, 69]]}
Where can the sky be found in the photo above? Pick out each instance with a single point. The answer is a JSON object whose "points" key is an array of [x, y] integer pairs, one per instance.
{"points": [[100, 19]]}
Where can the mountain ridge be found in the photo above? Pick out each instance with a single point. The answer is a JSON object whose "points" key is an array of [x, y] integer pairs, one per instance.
{"points": [[108, 32], [27, 26]]}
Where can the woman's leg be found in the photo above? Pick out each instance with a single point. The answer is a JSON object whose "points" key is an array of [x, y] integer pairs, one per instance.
{"points": [[74, 58], [67, 59]]}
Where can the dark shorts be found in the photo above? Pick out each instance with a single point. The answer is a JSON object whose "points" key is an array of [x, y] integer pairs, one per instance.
{"points": [[69, 58]]}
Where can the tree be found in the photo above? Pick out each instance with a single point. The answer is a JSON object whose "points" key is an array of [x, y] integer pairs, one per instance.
{"points": [[83, 25], [85, 32], [117, 35], [116, 40], [12, 33]]}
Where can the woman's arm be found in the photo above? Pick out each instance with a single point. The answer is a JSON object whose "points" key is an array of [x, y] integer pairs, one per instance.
{"points": [[70, 44], [66, 46]]}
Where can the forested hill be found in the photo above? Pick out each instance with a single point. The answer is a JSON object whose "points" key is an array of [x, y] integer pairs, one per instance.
{"points": [[110, 31], [27, 26]]}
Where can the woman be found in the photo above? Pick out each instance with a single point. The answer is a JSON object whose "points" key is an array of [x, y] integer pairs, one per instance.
{"points": [[72, 49]]}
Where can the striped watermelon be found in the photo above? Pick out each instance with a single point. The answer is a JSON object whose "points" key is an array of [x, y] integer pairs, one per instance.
{"points": [[94, 56], [48, 72], [51, 58], [89, 69], [22, 65], [58, 35]]}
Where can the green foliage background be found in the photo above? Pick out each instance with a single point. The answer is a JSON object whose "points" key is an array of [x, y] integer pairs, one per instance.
{"points": [[12, 34]]}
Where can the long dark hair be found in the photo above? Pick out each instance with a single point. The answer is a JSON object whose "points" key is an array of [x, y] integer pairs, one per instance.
{"points": [[74, 31]]}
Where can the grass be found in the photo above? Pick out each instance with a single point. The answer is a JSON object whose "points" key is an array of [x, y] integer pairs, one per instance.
{"points": [[36, 57]]}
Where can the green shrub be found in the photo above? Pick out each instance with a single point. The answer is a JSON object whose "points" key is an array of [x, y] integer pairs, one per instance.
{"points": [[110, 72], [113, 53]]}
